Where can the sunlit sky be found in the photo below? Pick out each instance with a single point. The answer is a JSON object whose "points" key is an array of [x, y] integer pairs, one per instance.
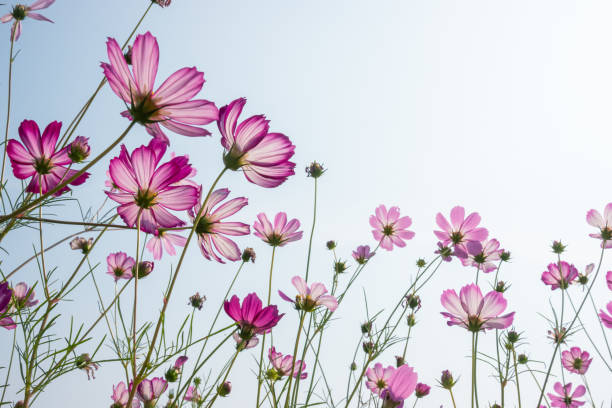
{"points": [[502, 107]]}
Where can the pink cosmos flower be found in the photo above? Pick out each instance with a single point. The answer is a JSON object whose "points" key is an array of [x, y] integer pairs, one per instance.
{"points": [[150, 189], [164, 240], [362, 254], [40, 160], [119, 265], [281, 233], [192, 394], [171, 105], [606, 319], [604, 224], [559, 278], [120, 396], [609, 279], [262, 156], [565, 398], [378, 378], [23, 296], [20, 12], [284, 365], [389, 228], [251, 317], [473, 311], [5, 298], [212, 230], [309, 298], [400, 386], [460, 230], [421, 390], [482, 255], [576, 360], [148, 391]]}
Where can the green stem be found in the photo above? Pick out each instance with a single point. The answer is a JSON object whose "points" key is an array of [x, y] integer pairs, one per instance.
{"points": [[516, 373], [499, 370], [295, 348], [212, 401], [263, 337], [588, 389], [406, 344], [452, 397], [136, 268], [314, 219], [8, 113]]}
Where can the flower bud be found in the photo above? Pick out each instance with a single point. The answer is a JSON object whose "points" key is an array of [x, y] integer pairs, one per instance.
{"points": [[505, 256], [399, 361], [162, 3], [224, 389], [82, 244], [501, 287], [315, 170], [128, 55], [368, 347], [331, 245], [558, 247], [353, 366], [144, 269], [197, 381], [248, 255], [522, 359], [340, 266], [421, 390], [495, 406], [421, 263], [410, 320], [171, 375], [196, 301], [79, 149], [366, 327], [446, 380], [413, 301], [513, 336]]}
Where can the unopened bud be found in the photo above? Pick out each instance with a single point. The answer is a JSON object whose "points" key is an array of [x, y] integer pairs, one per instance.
{"points": [[248, 255], [144, 269], [331, 245], [224, 389], [315, 170], [421, 262], [558, 247]]}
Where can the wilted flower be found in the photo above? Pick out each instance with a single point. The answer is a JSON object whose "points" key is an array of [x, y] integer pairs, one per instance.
{"points": [[79, 149], [389, 228], [81, 244], [20, 12], [399, 361], [196, 301], [565, 398], [23, 296], [504, 255], [559, 276], [281, 233], [366, 327], [309, 298], [120, 265], [421, 390], [283, 366], [315, 170], [576, 360], [248, 255], [445, 252], [162, 3], [85, 363], [557, 335], [362, 254], [412, 301]]}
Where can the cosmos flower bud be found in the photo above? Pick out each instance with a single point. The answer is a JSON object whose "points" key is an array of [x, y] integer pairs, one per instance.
{"points": [[315, 170], [420, 262], [504, 256], [495, 406], [197, 381], [513, 336], [248, 255], [413, 301], [366, 327], [410, 320], [162, 3], [353, 366], [368, 347], [272, 375], [331, 245], [501, 287], [224, 389], [174, 371], [84, 362], [197, 301], [522, 359], [446, 380], [82, 244], [19, 404], [399, 361], [79, 149], [421, 390], [144, 269], [558, 247], [340, 266]]}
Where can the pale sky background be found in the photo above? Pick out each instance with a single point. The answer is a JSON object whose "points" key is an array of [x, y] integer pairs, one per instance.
{"points": [[502, 107]]}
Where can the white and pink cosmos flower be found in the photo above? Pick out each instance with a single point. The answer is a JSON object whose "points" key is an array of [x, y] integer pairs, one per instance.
{"points": [[120, 396], [171, 105], [279, 234], [363, 254], [285, 365], [389, 228], [310, 298], [460, 230], [559, 275], [604, 224], [377, 378], [149, 391], [23, 296], [20, 12], [482, 255], [212, 230], [263, 157], [400, 386], [609, 279], [473, 311], [606, 318], [39, 158], [576, 360], [119, 265], [565, 398], [164, 240], [148, 189]]}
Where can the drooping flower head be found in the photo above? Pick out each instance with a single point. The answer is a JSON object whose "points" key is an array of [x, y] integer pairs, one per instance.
{"points": [[147, 188], [309, 298], [262, 156], [401, 385], [389, 228], [283, 366], [82, 244], [473, 311], [377, 378], [161, 240], [565, 398], [576, 360], [606, 318], [559, 275], [281, 233], [38, 158], [119, 265], [604, 224], [23, 296], [5, 298], [20, 12], [149, 391], [482, 255], [460, 230], [171, 105], [251, 317], [362, 254], [212, 230]]}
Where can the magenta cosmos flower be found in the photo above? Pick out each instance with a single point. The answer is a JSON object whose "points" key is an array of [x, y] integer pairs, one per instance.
{"points": [[460, 230], [309, 298], [401, 385], [576, 360], [164, 240], [559, 277], [377, 378], [171, 105], [565, 398], [389, 228], [212, 230], [251, 317], [475, 312], [23, 296], [150, 189], [609, 279], [606, 319], [20, 12], [40, 160], [604, 224], [362, 254], [262, 156], [120, 396], [119, 265], [5, 298], [482, 255], [283, 365], [281, 233], [149, 391]]}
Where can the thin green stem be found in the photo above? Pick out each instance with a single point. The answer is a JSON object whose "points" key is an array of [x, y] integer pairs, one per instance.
{"points": [[263, 337], [586, 383], [452, 397], [295, 349], [136, 273], [516, 373], [8, 112], [314, 219]]}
